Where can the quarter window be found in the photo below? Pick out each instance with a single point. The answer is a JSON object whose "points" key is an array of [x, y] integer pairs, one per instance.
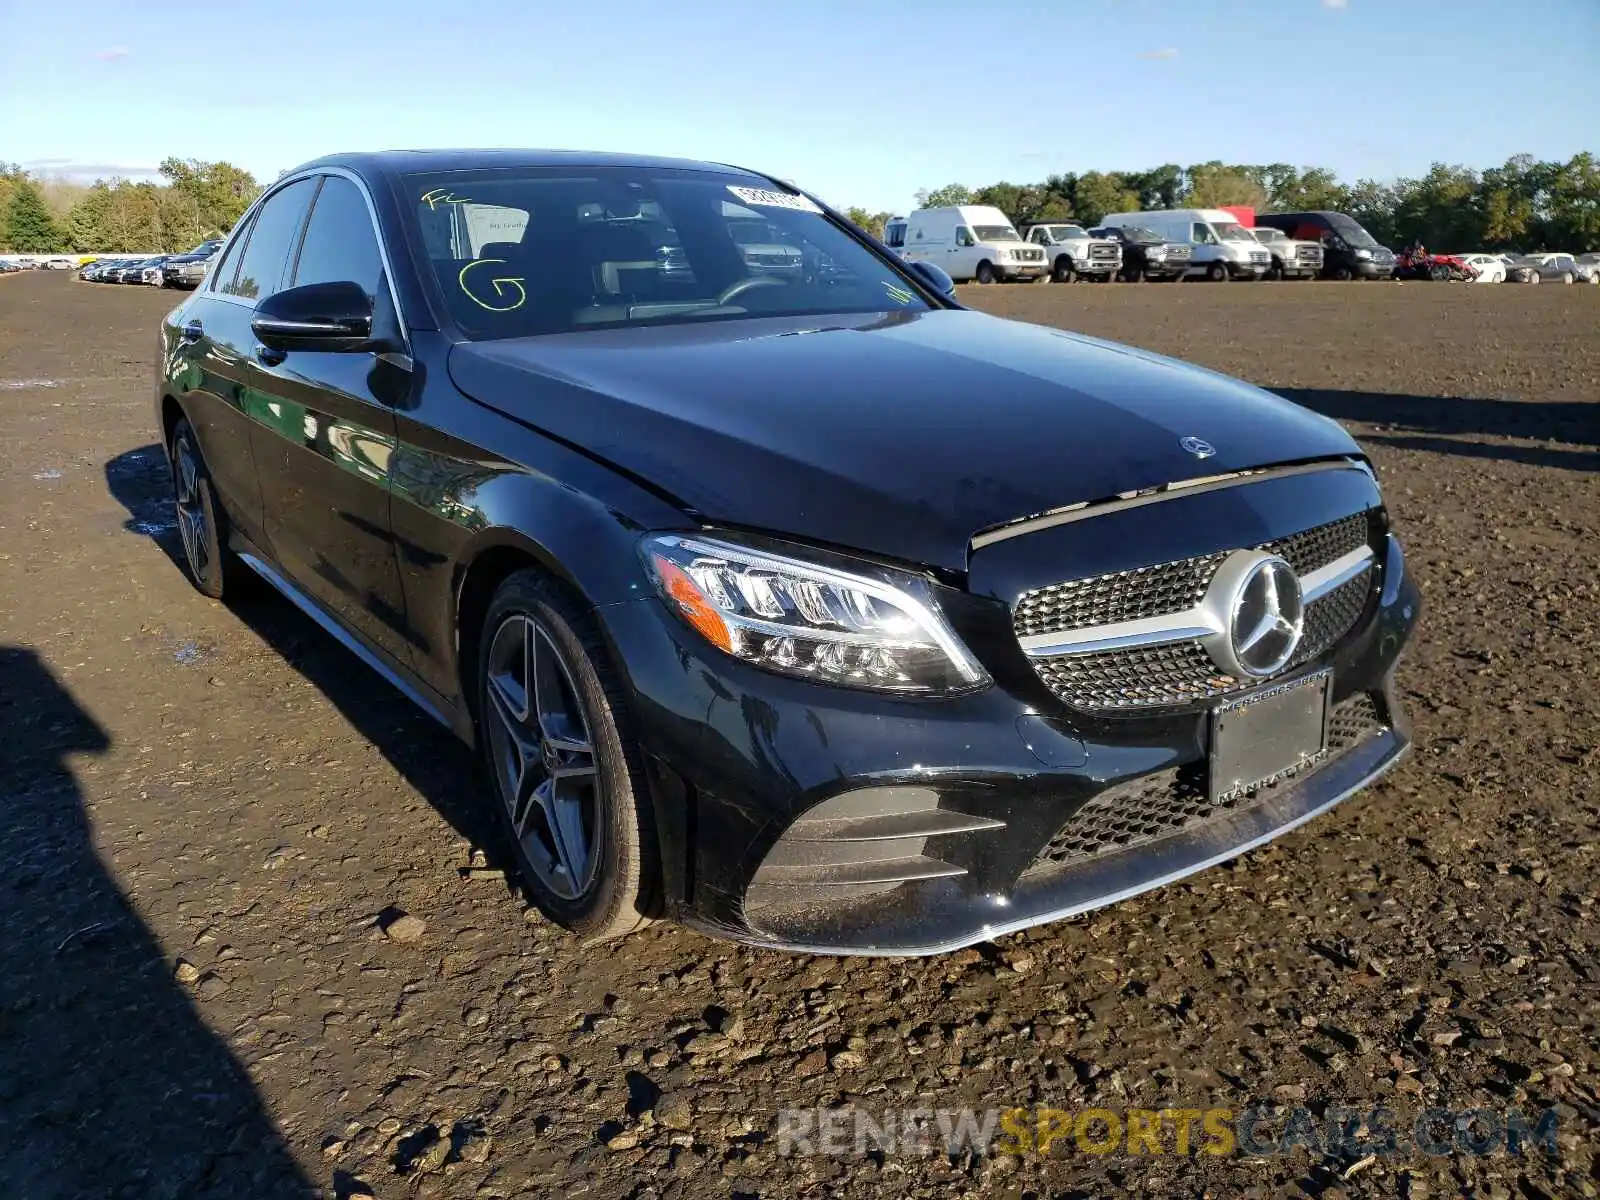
{"points": [[222, 277], [272, 238], [340, 245]]}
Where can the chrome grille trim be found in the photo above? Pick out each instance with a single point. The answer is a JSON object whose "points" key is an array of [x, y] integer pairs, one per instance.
{"points": [[1167, 491], [1188, 625]]}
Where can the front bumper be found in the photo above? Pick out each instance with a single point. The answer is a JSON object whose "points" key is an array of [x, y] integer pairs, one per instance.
{"points": [[832, 821], [1020, 270]]}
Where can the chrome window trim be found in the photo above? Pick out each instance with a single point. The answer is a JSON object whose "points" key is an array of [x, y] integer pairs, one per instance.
{"points": [[1169, 491], [1204, 620], [372, 217]]}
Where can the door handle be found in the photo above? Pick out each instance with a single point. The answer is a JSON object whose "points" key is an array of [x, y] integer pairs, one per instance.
{"points": [[269, 357], [192, 332]]}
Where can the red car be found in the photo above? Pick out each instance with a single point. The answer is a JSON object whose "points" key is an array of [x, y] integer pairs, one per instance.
{"points": [[1441, 268]]}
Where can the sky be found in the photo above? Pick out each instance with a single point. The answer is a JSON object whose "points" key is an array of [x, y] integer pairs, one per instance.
{"points": [[860, 101]]}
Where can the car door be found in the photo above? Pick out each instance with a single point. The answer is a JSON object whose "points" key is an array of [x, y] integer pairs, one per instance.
{"points": [[209, 355], [325, 432]]}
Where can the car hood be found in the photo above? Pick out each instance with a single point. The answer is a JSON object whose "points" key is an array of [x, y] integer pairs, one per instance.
{"points": [[899, 434]]}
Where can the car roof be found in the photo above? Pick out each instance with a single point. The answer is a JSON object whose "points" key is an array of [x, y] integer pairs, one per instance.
{"points": [[405, 162]]}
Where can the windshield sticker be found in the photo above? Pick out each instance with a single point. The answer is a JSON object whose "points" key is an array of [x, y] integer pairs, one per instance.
{"points": [[437, 196], [497, 293], [897, 293], [775, 199]]}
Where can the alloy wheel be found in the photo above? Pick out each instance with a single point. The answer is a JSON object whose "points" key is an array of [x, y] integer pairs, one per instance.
{"points": [[190, 507], [543, 756]]}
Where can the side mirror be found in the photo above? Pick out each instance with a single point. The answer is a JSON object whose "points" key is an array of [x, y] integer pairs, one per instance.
{"points": [[318, 316], [935, 277]]}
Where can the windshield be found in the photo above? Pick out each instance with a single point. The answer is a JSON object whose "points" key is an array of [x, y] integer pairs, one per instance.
{"points": [[562, 249], [995, 233], [1140, 235], [1268, 235], [207, 247], [1062, 232], [1352, 232], [1232, 231]]}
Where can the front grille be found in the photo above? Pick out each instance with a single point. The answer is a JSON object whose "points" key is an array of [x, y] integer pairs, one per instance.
{"points": [[1123, 596], [1260, 256], [1178, 252], [1319, 546], [1309, 254], [1030, 255], [1157, 806], [1102, 251], [1179, 673]]}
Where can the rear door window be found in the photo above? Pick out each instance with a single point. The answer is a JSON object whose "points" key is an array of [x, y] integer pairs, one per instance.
{"points": [[223, 275], [272, 239]]}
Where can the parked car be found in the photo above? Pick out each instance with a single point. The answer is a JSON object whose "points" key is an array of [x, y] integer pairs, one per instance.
{"points": [[57, 263], [8, 267], [1074, 253], [1349, 251], [1291, 258], [1487, 268], [1220, 247], [1146, 254], [1556, 268], [816, 612], [967, 241], [1440, 268], [187, 270], [1589, 266]]}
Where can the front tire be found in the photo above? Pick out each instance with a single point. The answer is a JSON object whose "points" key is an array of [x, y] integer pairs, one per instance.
{"points": [[202, 525], [986, 272], [568, 779], [1217, 273], [1061, 270]]}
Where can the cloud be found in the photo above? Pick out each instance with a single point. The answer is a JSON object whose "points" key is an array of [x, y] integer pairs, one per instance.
{"points": [[113, 54], [1336, 4], [71, 168], [1165, 54]]}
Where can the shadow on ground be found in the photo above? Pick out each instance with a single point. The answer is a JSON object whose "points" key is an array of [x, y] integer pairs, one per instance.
{"points": [[1444, 419], [432, 760], [110, 1083]]}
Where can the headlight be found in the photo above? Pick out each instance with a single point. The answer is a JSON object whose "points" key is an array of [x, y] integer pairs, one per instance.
{"points": [[880, 631], [1156, 252], [1363, 253]]}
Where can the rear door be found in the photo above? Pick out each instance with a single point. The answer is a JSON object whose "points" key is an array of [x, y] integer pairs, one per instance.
{"points": [[326, 431]]}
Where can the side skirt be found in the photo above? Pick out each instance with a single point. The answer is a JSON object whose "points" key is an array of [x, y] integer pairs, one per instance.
{"points": [[397, 677]]}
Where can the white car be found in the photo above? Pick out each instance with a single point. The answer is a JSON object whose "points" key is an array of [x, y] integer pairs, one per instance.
{"points": [[1491, 268], [1589, 264]]}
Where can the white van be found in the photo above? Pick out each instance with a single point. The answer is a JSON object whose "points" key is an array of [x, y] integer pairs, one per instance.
{"points": [[1222, 249], [969, 241]]}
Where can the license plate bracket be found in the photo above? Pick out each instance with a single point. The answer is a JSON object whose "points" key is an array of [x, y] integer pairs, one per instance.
{"points": [[1268, 735]]}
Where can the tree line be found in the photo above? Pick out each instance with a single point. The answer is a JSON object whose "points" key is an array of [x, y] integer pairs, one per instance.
{"points": [[193, 201], [1524, 205]]}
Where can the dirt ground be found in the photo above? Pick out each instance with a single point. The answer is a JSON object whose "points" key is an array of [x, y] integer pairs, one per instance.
{"points": [[206, 810]]}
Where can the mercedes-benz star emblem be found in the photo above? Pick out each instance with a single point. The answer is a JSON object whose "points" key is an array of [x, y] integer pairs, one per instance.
{"points": [[1257, 612], [1198, 447]]}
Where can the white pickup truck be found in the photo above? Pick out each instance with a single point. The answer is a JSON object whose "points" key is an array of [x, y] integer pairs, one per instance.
{"points": [[1291, 259], [1072, 253]]}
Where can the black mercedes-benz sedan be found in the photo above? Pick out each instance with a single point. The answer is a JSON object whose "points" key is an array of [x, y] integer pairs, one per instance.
{"points": [[807, 606]]}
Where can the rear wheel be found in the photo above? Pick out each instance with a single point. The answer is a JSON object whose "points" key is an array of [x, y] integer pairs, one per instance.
{"points": [[569, 780], [202, 525], [986, 272]]}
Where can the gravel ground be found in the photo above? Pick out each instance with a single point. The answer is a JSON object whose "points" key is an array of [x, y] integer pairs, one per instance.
{"points": [[213, 818]]}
